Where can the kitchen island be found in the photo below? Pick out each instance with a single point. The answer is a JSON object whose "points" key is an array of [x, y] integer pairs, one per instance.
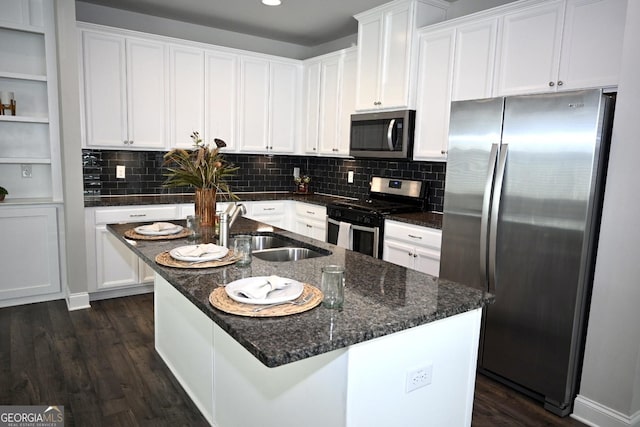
{"points": [[322, 367]]}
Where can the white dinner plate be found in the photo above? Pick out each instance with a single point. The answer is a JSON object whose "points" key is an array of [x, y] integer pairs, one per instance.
{"points": [[192, 253], [291, 291], [147, 230]]}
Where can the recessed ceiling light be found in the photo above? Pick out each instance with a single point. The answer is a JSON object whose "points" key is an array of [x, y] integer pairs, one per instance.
{"points": [[271, 2]]}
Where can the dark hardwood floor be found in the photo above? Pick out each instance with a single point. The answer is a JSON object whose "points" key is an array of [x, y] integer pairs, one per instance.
{"points": [[101, 365]]}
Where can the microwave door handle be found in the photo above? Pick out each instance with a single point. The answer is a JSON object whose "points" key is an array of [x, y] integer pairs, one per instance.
{"points": [[392, 124]]}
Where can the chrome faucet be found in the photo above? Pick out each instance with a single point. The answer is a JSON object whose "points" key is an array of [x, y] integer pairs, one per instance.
{"points": [[227, 218]]}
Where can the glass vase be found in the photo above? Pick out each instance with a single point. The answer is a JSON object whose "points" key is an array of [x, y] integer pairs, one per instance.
{"points": [[206, 206]]}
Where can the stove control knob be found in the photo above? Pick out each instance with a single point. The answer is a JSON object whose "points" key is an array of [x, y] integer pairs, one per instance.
{"points": [[366, 220]]}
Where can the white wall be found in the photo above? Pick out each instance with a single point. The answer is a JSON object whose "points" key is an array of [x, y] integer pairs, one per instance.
{"points": [[610, 388]]}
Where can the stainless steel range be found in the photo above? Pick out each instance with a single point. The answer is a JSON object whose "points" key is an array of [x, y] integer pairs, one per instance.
{"points": [[359, 224]]}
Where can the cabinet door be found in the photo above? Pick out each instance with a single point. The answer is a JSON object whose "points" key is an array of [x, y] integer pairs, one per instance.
{"points": [[427, 261], [116, 265], [369, 53], [254, 104], [529, 49], [146, 84], [221, 94], [312, 106], [329, 105], [105, 89], [186, 72], [434, 95], [347, 101], [283, 96], [592, 43], [397, 253], [395, 78], [314, 229], [474, 58], [30, 260]]}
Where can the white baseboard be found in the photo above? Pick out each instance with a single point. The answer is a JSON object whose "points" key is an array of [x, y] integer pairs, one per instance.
{"points": [[594, 414], [77, 301], [144, 288]]}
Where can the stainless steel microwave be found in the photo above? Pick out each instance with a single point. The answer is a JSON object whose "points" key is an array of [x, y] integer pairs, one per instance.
{"points": [[384, 135]]}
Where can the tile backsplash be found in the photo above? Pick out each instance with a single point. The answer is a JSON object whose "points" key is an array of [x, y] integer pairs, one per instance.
{"points": [[258, 173]]}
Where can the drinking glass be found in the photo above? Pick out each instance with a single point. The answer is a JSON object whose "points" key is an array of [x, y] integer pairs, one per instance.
{"points": [[242, 249], [193, 224], [332, 286]]}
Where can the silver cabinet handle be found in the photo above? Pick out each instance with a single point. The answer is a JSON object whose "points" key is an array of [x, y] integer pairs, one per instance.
{"points": [[551, 84], [415, 237], [443, 152], [392, 123], [268, 209], [311, 213], [484, 217], [309, 226], [560, 83], [136, 215], [495, 213]]}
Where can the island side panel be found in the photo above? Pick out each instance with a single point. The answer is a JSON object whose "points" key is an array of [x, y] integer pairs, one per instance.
{"points": [[310, 392], [184, 340], [378, 375]]}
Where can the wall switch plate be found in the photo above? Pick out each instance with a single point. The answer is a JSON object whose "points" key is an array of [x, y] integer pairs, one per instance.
{"points": [[350, 177], [26, 171], [296, 172], [120, 172], [419, 377]]}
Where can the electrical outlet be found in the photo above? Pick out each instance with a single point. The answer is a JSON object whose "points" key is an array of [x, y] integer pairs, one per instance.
{"points": [[120, 172], [419, 377], [350, 177], [27, 171], [296, 172]]}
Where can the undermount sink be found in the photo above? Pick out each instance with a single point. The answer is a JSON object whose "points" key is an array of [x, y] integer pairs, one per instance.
{"points": [[281, 249]]}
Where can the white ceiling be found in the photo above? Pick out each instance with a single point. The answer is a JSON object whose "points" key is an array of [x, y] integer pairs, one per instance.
{"points": [[303, 22]]}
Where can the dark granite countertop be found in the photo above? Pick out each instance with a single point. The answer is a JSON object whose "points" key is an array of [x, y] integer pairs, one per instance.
{"points": [[380, 298], [424, 219]]}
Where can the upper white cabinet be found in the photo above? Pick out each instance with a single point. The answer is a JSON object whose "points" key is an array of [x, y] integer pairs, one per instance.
{"points": [[268, 105], [456, 62], [28, 69], [386, 47], [330, 92], [186, 96], [221, 89], [560, 45], [125, 88]]}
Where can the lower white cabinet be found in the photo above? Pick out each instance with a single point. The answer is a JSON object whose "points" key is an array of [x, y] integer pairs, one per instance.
{"points": [[274, 213], [311, 220], [110, 264], [412, 246], [29, 260]]}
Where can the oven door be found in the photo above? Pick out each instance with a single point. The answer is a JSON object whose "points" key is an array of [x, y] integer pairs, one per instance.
{"points": [[365, 240]]}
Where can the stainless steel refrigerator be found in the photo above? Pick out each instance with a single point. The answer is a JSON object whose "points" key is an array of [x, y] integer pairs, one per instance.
{"points": [[523, 189]]}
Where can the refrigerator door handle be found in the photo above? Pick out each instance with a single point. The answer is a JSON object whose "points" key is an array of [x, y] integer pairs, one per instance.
{"points": [[486, 204], [495, 213]]}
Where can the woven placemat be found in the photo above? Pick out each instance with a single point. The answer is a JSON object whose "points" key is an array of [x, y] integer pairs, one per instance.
{"points": [[131, 234], [220, 300], [164, 258]]}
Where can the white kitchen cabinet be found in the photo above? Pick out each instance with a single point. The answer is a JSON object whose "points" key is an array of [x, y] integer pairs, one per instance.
{"points": [[186, 97], [124, 89], [28, 68], [412, 246], [436, 53], [275, 213], [456, 62], [386, 50], [268, 105], [311, 220], [221, 89], [560, 45], [330, 101], [111, 266], [29, 258]]}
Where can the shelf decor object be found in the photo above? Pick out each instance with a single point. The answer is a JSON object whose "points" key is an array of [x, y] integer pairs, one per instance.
{"points": [[204, 169], [7, 102]]}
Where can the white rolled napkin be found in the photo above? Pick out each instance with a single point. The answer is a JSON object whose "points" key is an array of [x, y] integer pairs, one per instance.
{"points": [[198, 250], [259, 289], [160, 226]]}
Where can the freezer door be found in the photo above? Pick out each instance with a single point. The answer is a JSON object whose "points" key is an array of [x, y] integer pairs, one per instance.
{"points": [[474, 138], [543, 233]]}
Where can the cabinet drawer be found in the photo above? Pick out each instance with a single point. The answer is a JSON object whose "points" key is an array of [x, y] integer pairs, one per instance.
{"points": [[110, 216], [310, 211], [422, 236], [266, 208]]}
